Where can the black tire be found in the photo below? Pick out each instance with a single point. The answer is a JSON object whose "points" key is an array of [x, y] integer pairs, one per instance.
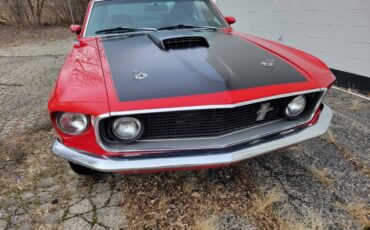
{"points": [[81, 170]]}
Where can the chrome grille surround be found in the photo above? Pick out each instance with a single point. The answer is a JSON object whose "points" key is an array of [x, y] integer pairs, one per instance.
{"points": [[143, 147]]}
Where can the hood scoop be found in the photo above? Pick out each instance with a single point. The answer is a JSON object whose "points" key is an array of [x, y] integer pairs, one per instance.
{"points": [[178, 41]]}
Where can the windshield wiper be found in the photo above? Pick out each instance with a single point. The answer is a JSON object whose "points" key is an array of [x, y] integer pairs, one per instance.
{"points": [[184, 26], [123, 30]]}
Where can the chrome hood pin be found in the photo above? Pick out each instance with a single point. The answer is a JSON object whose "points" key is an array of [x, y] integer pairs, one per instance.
{"points": [[139, 75], [270, 64]]}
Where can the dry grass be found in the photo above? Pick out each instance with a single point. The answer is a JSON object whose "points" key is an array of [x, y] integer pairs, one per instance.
{"points": [[194, 200], [22, 172], [12, 152], [352, 89], [189, 186], [312, 221], [323, 176], [262, 204], [205, 224], [23, 156], [330, 138], [357, 105], [359, 211], [24, 176], [162, 204]]}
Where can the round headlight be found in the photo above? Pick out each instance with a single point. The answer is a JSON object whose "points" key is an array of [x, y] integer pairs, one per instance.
{"points": [[72, 123], [127, 128], [296, 107]]}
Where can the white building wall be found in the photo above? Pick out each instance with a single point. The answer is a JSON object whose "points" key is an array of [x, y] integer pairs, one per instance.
{"points": [[336, 31]]}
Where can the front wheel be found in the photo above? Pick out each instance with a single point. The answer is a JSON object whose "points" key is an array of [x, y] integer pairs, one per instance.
{"points": [[81, 170]]}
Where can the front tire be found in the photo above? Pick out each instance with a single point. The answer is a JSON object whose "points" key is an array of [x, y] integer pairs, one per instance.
{"points": [[81, 170]]}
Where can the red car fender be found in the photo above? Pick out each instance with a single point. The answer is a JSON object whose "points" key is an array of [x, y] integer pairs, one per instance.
{"points": [[80, 88]]}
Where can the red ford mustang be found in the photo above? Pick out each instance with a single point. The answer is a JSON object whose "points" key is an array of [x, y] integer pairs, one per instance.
{"points": [[154, 85]]}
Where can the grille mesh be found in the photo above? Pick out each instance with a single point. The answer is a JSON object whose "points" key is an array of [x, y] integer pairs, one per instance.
{"points": [[185, 42], [207, 123]]}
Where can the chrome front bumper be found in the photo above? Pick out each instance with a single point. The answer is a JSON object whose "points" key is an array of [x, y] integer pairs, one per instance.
{"points": [[205, 158]]}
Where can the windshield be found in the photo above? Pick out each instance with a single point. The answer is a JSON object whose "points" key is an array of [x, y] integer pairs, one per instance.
{"points": [[153, 14]]}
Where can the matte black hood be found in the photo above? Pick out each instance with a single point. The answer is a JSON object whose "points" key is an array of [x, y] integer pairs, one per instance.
{"points": [[228, 63]]}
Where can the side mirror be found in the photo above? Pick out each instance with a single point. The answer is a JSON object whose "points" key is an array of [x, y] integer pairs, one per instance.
{"points": [[76, 29], [231, 20]]}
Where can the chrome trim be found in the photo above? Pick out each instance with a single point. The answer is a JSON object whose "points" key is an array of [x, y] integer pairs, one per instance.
{"points": [[204, 107], [145, 147], [95, 120], [209, 158], [88, 18]]}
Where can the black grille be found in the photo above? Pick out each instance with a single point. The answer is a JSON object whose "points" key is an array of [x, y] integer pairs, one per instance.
{"points": [[208, 123], [185, 42]]}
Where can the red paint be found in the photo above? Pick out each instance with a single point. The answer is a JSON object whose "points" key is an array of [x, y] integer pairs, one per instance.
{"points": [[80, 86], [85, 85], [316, 117], [230, 20], [75, 29]]}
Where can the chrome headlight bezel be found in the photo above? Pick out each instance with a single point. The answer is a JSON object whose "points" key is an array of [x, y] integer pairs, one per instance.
{"points": [[296, 107], [137, 129], [71, 118]]}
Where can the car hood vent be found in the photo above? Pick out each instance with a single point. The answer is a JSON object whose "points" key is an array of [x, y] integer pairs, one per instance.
{"points": [[179, 42]]}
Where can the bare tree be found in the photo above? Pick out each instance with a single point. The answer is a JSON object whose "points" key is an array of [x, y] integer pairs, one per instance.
{"points": [[36, 7], [15, 10], [40, 12]]}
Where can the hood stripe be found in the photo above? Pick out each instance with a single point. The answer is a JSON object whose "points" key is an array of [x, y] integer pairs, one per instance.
{"points": [[229, 63]]}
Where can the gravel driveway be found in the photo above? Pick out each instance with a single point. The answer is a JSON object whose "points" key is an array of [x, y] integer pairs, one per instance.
{"points": [[321, 184]]}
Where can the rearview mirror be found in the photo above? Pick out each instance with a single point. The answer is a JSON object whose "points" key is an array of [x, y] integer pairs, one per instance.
{"points": [[231, 20], [76, 29]]}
